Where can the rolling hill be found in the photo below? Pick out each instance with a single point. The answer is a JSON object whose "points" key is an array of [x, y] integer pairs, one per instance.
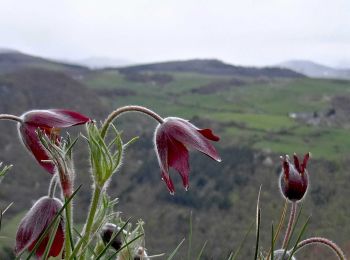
{"points": [[212, 67], [11, 60]]}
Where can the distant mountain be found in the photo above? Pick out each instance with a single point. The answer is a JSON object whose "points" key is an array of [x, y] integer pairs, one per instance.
{"points": [[11, 61], [212, 67], [315, 70], [7, 50], [103, 62]]}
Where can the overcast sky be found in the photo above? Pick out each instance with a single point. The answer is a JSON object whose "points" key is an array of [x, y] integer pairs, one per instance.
{"points": [[247, 32]]}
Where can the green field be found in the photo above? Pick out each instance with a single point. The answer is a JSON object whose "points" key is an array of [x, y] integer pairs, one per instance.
{"points": [[254, 114]]}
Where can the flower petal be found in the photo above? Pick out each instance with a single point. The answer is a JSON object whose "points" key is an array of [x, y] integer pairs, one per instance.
{"points": [[306, 159], [31, 140], [56, 246], [178, 159], [169, 183], [58, 118], [161, 145], [186, 133], [208, 133]]}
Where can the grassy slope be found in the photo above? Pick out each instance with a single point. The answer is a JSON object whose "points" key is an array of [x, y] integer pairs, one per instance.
{"points": [[256, 113]]}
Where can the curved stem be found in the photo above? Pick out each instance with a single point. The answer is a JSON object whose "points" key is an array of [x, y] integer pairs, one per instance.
{"points": [[326, 242], [52, 186], [293, 212], [124, 109], [11, 117]]}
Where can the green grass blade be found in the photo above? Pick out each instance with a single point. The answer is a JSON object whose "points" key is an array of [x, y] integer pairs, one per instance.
{"points": [[4, 171], [258, 221], [272, 242], [202, 250], [1, 214], [88, 247], [52, 237], [257, 235], [280, 224], [175, 250]]}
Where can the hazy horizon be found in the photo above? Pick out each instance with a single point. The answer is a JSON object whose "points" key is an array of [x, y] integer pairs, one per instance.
{"points": [[254, 33]]}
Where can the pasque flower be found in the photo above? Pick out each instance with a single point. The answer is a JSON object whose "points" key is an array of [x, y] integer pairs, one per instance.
{"points": [[35, 222], [294, 179], [172, 140], [49, 121]]}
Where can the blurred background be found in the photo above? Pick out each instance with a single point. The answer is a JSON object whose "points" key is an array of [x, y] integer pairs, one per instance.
{"points": [[271, 77]]}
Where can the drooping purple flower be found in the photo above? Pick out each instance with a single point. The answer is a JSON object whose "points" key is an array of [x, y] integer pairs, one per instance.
{"points": [[172, 140], [294, 179], [35, 222], [49, 121]]}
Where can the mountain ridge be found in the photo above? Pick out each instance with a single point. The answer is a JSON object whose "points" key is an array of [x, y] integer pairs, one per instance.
{"points": [[315, 70], [212, 67], [14, 60]]}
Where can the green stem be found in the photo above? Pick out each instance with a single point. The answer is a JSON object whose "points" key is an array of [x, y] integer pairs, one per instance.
{"points": [[124, 109], [90, 221], [68, 231]]}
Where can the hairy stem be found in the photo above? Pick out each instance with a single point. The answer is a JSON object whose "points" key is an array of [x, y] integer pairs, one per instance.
{"points": [[53, 185], [90, 220], [11, 117], [68, 231], [293, 212], [324, 241], [124, 109]]}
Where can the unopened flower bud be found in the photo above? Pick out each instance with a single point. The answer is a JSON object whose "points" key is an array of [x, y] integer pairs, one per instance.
{"points": [[108, 231], [35, 222], [294, 179]]}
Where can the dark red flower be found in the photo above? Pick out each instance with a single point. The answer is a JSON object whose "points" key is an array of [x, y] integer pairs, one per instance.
{"points": [[50, 121], [35, 222], [172, 140], [294, 179]]}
